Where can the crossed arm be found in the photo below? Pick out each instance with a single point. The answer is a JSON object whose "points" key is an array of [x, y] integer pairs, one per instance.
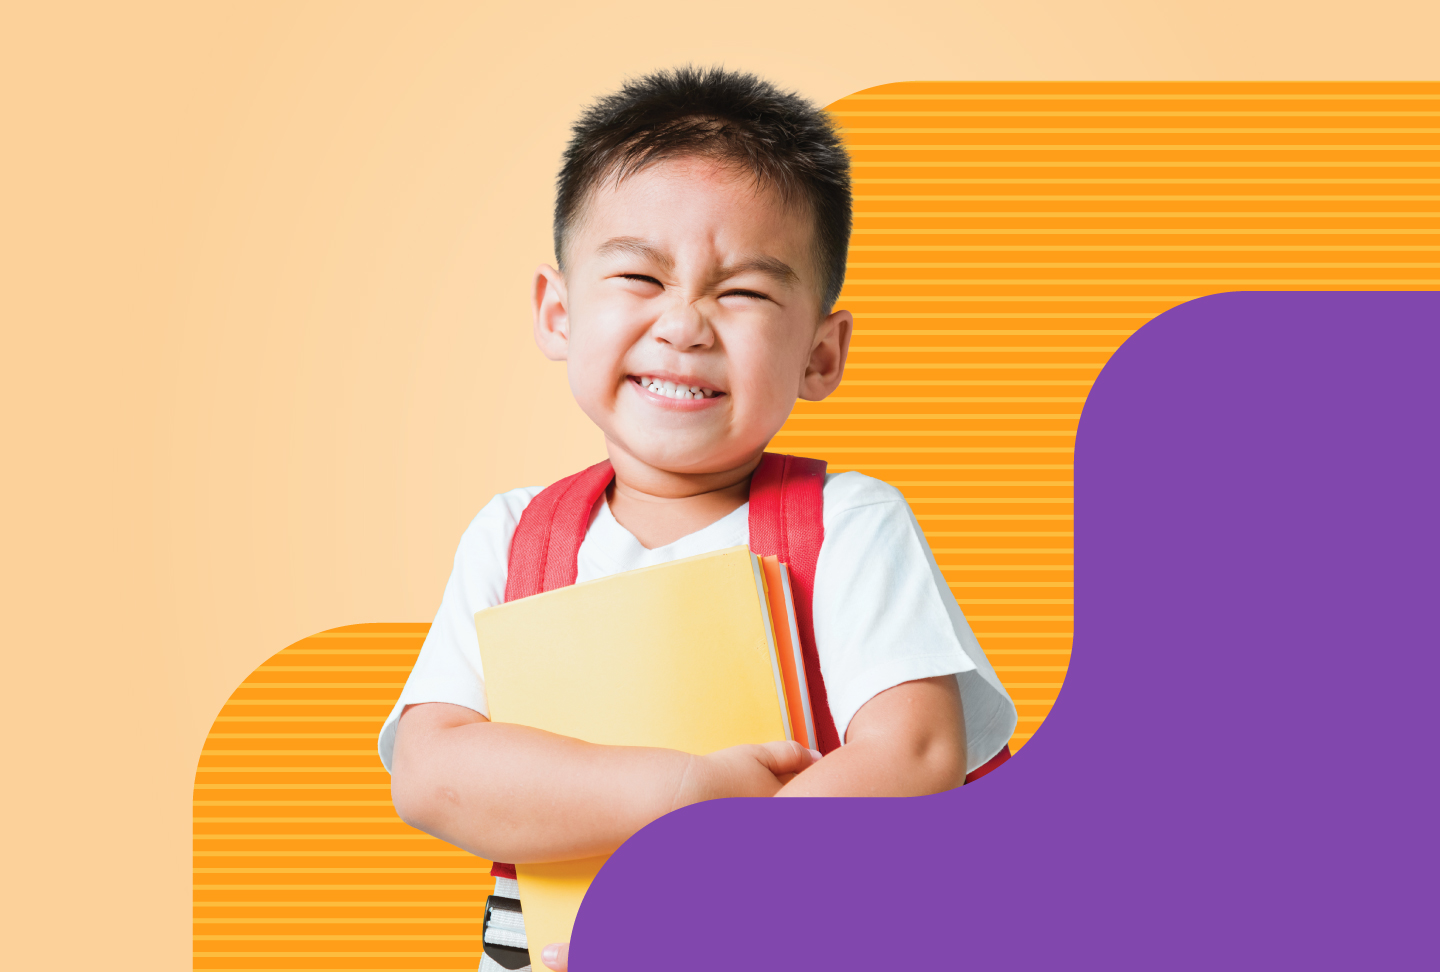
{"points": [[512, 793]]}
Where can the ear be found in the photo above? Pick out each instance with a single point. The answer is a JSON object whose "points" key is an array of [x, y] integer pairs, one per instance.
{"points": [[552, 320], [827, 356]]}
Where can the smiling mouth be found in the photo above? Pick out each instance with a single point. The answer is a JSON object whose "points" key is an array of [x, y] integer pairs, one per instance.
{"points": [[672, 389]]}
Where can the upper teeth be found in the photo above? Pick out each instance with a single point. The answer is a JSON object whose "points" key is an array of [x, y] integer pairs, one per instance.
{"points": [[671, 390]]}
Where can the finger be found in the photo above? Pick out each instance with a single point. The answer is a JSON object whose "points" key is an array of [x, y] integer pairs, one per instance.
{"points": [[556, 957], [786, 757]]}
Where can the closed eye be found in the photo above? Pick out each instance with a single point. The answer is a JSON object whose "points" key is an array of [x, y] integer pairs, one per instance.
{"points": [[642, 278], [745, 293]]}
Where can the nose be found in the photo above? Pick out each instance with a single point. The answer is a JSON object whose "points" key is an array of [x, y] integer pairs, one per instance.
{"points": [[684, 327]]}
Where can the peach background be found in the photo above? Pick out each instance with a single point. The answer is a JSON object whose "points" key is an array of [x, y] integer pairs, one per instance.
{"points": [[263, 291]]}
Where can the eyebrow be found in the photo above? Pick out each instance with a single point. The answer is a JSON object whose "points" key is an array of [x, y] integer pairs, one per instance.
{"points": [[637, 246], [768, 266]]}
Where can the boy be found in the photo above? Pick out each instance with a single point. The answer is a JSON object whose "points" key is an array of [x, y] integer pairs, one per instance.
{"points": [[701, 230]]}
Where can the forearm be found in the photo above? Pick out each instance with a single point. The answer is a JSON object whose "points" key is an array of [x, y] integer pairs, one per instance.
{"points": [[907, 741], [869, 768], [512, 793]]}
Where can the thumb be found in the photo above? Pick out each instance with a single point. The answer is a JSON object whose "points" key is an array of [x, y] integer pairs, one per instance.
{"points": [[781, 758], [556, 957]]}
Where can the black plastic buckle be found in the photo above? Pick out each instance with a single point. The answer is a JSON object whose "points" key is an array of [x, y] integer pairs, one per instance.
{"points": [[506, 956]]}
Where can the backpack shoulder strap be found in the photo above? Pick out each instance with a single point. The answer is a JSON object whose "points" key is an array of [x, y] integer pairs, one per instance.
{"points": [[547, 539], [787, 505]]}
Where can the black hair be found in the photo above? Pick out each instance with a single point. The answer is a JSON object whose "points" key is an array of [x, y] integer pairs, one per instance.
{"points": [[784, 140]]}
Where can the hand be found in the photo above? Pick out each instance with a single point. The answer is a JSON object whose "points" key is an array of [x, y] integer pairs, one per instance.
{"points": [[743, 771], [749, 770], [556, 957]]}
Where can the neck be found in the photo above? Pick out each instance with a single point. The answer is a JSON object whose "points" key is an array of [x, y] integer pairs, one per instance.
{"points": [[659, 506]]}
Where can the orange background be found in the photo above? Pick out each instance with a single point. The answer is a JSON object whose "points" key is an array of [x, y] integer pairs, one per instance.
{"points": [[264, 305]]}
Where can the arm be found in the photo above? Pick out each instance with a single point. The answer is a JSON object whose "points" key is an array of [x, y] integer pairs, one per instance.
{"points": [[906, 741], [512, 793]]}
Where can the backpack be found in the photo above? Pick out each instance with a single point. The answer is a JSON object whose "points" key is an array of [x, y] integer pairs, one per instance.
{"points": [[786, 521]]}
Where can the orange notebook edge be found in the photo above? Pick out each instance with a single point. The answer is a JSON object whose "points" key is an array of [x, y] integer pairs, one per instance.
{"points": [[802, 686], [772, 635], [781, 608]]}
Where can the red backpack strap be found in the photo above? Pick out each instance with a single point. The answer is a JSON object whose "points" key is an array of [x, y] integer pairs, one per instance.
{"points": [[547, 539], [787, 505], [994, 763]]}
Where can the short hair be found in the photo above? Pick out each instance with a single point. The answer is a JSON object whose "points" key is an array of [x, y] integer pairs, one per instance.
{"points": [[738, 119]]}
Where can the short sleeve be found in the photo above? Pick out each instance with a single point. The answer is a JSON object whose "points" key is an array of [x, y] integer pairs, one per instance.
{"points": [[884, 615], [448, 667]]}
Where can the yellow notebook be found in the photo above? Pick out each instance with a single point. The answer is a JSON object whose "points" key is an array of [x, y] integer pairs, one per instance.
{"points": [[681, 655]]}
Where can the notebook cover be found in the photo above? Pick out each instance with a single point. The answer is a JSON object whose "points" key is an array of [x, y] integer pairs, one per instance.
{"points": [[680, 655]]}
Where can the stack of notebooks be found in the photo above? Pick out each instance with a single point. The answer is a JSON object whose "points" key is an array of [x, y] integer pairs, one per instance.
{"points": [[695, 655]]}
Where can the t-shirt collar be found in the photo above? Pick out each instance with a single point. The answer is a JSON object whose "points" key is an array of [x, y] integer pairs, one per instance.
{"points": [[608, 541]]}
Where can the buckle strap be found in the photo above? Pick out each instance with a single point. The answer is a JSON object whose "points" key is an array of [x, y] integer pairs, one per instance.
{"points": [[508, 957]]}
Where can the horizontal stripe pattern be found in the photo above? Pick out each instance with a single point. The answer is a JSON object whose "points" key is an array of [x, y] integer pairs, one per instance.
{"points": [[1008, 238], [300, 861]]}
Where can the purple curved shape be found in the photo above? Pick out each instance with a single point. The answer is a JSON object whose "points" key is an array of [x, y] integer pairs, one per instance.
{"points": [[1238, 772]]}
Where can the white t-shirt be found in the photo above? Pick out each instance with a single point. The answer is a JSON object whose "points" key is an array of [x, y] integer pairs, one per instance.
{"points": [[883, 613]]}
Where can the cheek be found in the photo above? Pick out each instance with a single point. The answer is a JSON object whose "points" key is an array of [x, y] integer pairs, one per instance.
{"points": [[588, 382], [594, 363], [774, 369]]}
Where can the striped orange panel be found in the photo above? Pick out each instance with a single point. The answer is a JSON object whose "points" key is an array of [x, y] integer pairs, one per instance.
{"points": [[300, 860], [1009, 236]]}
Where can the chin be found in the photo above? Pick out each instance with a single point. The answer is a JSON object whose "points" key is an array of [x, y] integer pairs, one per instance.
{"points": [[687, 459]]}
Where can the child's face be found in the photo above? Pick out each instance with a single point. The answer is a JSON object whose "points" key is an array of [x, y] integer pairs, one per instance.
{"points": [[685, 275]]}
